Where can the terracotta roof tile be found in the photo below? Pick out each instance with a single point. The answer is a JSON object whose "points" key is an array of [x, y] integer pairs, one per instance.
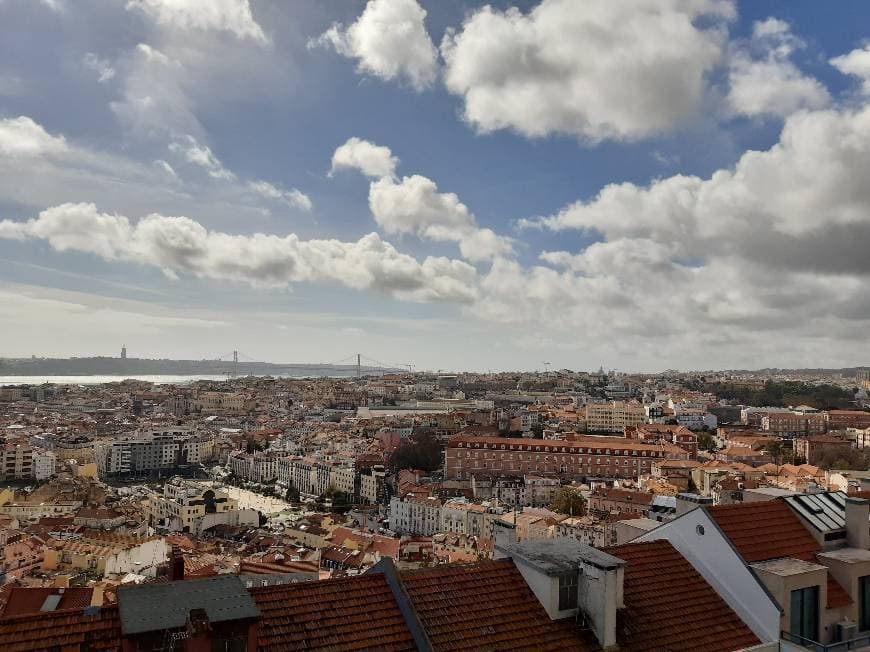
{"points": [[67, 630], [29, 600], [669, 606], [764, 530], [354, 613], [769, 530], [484, 606]]}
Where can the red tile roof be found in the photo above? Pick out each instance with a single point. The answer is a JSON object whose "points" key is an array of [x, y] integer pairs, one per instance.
{"points": [[669, 606], [66, 630], [769, 530], [484, 606], [764, 530], [354, 613], [29, 600]]}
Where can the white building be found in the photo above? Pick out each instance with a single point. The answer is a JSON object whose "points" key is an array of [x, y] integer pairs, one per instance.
{"points": [[44, 464]]}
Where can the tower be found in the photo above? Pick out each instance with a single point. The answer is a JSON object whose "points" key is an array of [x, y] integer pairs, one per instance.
{"points": [[124, 352], [235, 363]]}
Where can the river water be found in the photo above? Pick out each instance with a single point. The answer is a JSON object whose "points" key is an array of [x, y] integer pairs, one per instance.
{"points": [[169, 379]]}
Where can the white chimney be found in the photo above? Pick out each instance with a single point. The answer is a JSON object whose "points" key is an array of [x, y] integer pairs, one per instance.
{"points": [[600, 587], [858, 522]]}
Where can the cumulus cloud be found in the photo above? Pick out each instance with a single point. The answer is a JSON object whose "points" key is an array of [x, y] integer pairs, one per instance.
{"points": [[598, 70], [182, 245], [413, 205], [769, 83], [102, 67], [857, 64], [21, 136], [232, 16], [370, 159], [388, 40], [775, 244], [293, 197]]}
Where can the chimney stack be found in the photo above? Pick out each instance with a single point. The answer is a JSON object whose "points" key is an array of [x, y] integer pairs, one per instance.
{"points": [[858, 522], [600, 592], [176, 564], [198, 632]]}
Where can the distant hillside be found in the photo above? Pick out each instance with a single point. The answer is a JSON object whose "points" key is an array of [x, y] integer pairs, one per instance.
{"points": [[103, 366]]}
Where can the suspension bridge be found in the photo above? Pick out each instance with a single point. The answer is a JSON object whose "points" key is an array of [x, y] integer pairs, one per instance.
{"points": [[363, 364]]}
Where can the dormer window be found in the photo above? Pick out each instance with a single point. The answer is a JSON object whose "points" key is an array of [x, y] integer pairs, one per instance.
{"points": [[567, 592]]}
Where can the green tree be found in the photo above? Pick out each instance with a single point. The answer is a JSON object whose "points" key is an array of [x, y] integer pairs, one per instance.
{"points": [[706, 441], [568, 501], [421, 450], [292, 495]]}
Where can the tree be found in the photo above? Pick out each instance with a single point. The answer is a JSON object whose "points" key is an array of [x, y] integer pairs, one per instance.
{"points": [[340, 501], [292, 495], [421, 450], [706, 441], [568, 501]]}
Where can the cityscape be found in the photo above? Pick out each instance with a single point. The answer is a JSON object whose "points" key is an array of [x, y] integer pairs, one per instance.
{"points": [[350, 325]]}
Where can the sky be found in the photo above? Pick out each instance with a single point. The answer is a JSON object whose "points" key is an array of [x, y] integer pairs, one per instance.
{"points": [[640, 185]]}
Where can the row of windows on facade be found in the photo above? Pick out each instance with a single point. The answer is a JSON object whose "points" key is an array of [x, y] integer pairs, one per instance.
{"points": [[573, 460], [588, 451]]}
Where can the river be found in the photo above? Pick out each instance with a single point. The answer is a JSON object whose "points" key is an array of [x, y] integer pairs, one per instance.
{"points": [[169, 379]]}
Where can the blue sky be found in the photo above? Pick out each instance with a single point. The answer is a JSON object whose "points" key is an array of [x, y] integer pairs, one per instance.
{"points": [[569, 181]]}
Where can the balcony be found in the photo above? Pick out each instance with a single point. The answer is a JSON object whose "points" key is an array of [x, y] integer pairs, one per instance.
{"points": [[798, 643]]}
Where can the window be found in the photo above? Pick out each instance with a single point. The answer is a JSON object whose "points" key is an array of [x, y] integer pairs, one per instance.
{"points": [[567, 592], [805, 613], [864, 602]]}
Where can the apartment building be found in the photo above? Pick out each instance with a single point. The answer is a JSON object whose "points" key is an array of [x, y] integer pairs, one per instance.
{"points": [[17, 462], [614, 416], [842, 419], [790, 425], [184, 505], [254, 467], [605, 457], [154, 452], [44, 464], [811, 449], [222, 403], [427, 515]]}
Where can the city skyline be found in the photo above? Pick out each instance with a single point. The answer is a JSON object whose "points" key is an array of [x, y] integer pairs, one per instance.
{"points": [[444, 184]]}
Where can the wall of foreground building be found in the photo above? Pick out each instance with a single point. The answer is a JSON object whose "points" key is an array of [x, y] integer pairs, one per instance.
{"points": [[697, 538]]}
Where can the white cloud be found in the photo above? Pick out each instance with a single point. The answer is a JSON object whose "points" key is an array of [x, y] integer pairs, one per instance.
{"points": [[856, 63], [21, 136], [153, 55], [293, 197], [221, 15], [202, 156], [388, 40], [413, 204], [102, 67], [771, 84], [775, 245], [182, 245], [168, 169], [596, 70], [370, 159]]}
